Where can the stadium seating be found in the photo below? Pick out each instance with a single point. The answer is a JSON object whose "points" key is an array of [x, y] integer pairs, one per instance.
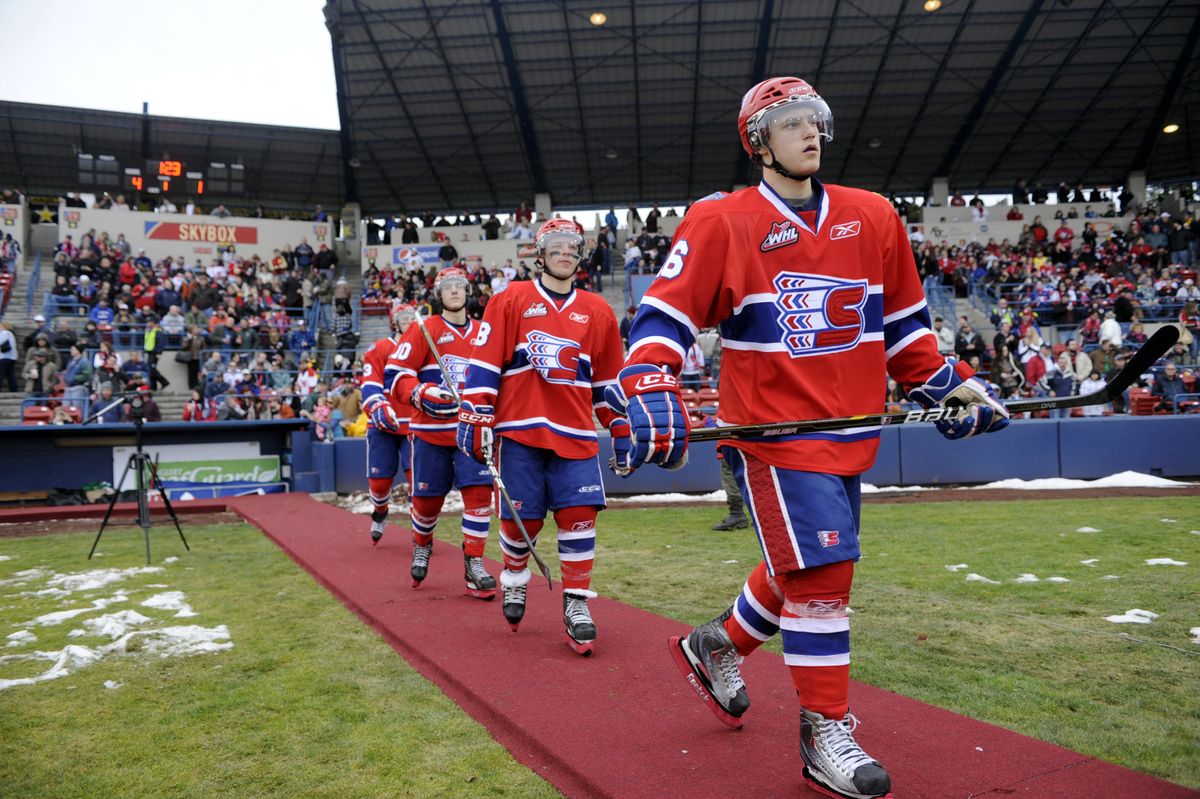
{"points": [[37, 414]]}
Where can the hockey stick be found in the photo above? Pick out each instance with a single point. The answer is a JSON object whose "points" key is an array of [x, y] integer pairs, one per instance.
{"points": [[512, 508], [1154, 348]]}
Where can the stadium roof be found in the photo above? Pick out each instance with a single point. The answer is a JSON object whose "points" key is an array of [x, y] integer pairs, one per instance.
{"points": [[292, 167], [468, 104]]}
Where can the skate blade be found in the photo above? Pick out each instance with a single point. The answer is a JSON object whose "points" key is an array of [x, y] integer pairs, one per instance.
{"points": [[513, 627], [416, 583], [375, 537], [580, 647], [685, 668], [486, 594], [825, 790]]}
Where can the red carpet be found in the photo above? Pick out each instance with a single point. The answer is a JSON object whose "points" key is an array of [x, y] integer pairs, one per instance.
{"points": [[623, 723]]}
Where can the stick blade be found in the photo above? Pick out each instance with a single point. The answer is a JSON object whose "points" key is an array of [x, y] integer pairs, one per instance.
{"points": [[1155, 347]]}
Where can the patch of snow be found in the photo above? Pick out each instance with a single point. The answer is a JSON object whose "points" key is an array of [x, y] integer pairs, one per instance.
{"points": [[20, 638], [1087, 530], [1090, 561], [114, 625], [59, 616], [1133, 616], [1057, 579], [1194, 532], [1026, 578], [956, 567], [1195, 633], [979, 578], [1169, 521], [867, 488], [1126, 479], [715, 496], [5, 557], [729, 561], [112, 684], [1165, 562], [172, 559], [97, 578], [170, 600], [164, 642], [1110, 577]]}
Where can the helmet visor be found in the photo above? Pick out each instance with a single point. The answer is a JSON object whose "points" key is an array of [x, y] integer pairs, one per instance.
{"points": [[561, 244], [796, 117]]}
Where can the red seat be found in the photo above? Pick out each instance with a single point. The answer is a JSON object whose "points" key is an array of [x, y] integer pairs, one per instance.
{"points": [[76, 414], [36, 414], [1141, 402], [708, 396]]}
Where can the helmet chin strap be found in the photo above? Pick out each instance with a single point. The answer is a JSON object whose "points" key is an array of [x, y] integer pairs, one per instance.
{"points": [[780, 168]]}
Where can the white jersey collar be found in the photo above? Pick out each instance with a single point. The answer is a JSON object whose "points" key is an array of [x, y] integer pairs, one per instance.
{"points": [[553, 304], [781, 205]]}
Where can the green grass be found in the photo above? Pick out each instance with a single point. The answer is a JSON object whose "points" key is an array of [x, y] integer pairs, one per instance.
{"points": [[310, 702]]}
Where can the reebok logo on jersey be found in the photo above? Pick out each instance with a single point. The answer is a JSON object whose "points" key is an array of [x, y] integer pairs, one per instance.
{"points": [[581, 318], [822, 607], [782, 234], [537, 309], [581, 527], [828, 538], [845, 230]]}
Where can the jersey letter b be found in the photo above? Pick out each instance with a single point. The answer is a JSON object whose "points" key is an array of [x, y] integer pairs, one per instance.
{"points": [[819, 314]]}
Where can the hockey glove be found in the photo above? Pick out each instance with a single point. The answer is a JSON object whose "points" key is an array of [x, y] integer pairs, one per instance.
{"points": [[475, 423], [384, 417], [658, 423], [956, 386], [434, 400], [620, 463]]}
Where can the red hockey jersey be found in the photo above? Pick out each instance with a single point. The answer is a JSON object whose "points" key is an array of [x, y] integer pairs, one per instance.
{"points": [[414, 363], [377, 382], [812, 316], [544, 366]]}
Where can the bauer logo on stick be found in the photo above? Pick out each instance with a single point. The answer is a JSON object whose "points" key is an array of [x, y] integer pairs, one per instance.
{"points": [[819, 314]]}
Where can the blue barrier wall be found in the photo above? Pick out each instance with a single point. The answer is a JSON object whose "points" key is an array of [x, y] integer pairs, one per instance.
{"points": [[918, 455], [39, 458]]}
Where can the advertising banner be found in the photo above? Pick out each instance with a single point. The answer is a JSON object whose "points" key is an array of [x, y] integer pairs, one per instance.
{"points": [[207, 470]]}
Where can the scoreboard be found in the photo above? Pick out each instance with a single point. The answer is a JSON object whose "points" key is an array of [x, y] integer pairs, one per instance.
{"points": [[162, 176]]}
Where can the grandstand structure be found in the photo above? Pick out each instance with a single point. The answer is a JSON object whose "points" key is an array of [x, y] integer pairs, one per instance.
{"points": [[449, 108]]}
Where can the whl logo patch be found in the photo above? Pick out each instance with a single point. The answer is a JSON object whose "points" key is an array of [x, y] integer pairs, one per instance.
{"points": [[782, 234], [537, 309], [818, 314], [845, 230]]}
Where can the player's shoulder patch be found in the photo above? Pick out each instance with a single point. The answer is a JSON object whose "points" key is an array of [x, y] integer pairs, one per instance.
{"points": [[716, 195]]}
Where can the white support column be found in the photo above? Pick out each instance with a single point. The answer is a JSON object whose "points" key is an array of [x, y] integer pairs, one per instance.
{"points": [[939, 191]]}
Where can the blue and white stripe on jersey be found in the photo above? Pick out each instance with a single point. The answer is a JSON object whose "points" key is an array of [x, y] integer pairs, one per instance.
{"points": [[659, 322], [903, 327], [541, 421], [754, 324]]}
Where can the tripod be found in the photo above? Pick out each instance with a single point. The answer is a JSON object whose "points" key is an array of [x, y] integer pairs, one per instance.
{"points": [[141, 464]]}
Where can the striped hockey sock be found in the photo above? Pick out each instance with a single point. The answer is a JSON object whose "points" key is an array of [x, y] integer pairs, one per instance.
{"points": [[477, 515], [425, 512], [576, 544], [512, 546], [756, 611], [816, 635]]}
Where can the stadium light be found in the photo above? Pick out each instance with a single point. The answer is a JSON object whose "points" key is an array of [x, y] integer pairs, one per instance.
{"points": [[933, 5], [598, 18], [1171, 128]]}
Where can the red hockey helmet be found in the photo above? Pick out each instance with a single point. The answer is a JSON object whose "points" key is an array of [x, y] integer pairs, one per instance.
{"points": [[402, 315], [564, 230], [760, 103], [451, 274]]}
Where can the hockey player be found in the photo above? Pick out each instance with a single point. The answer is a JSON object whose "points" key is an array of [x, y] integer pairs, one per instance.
{"points": [[818, 300], [544, 354], [436, 465], [387, 420]]}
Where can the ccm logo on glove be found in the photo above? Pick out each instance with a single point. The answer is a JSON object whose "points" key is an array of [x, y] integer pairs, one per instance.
{"points": [[656, 380]]}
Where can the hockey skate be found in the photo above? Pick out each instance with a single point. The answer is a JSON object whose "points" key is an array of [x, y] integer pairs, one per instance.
{"points": [[420, 563], [377, 530], [709, 661], [480, 584], [581, 631], [514, 584], [834, 763]]}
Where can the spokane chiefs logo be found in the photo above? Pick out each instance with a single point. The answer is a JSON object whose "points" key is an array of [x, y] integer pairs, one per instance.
{"points": [[782, 234], [819, 314], [456, 367], [555, 359]]}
